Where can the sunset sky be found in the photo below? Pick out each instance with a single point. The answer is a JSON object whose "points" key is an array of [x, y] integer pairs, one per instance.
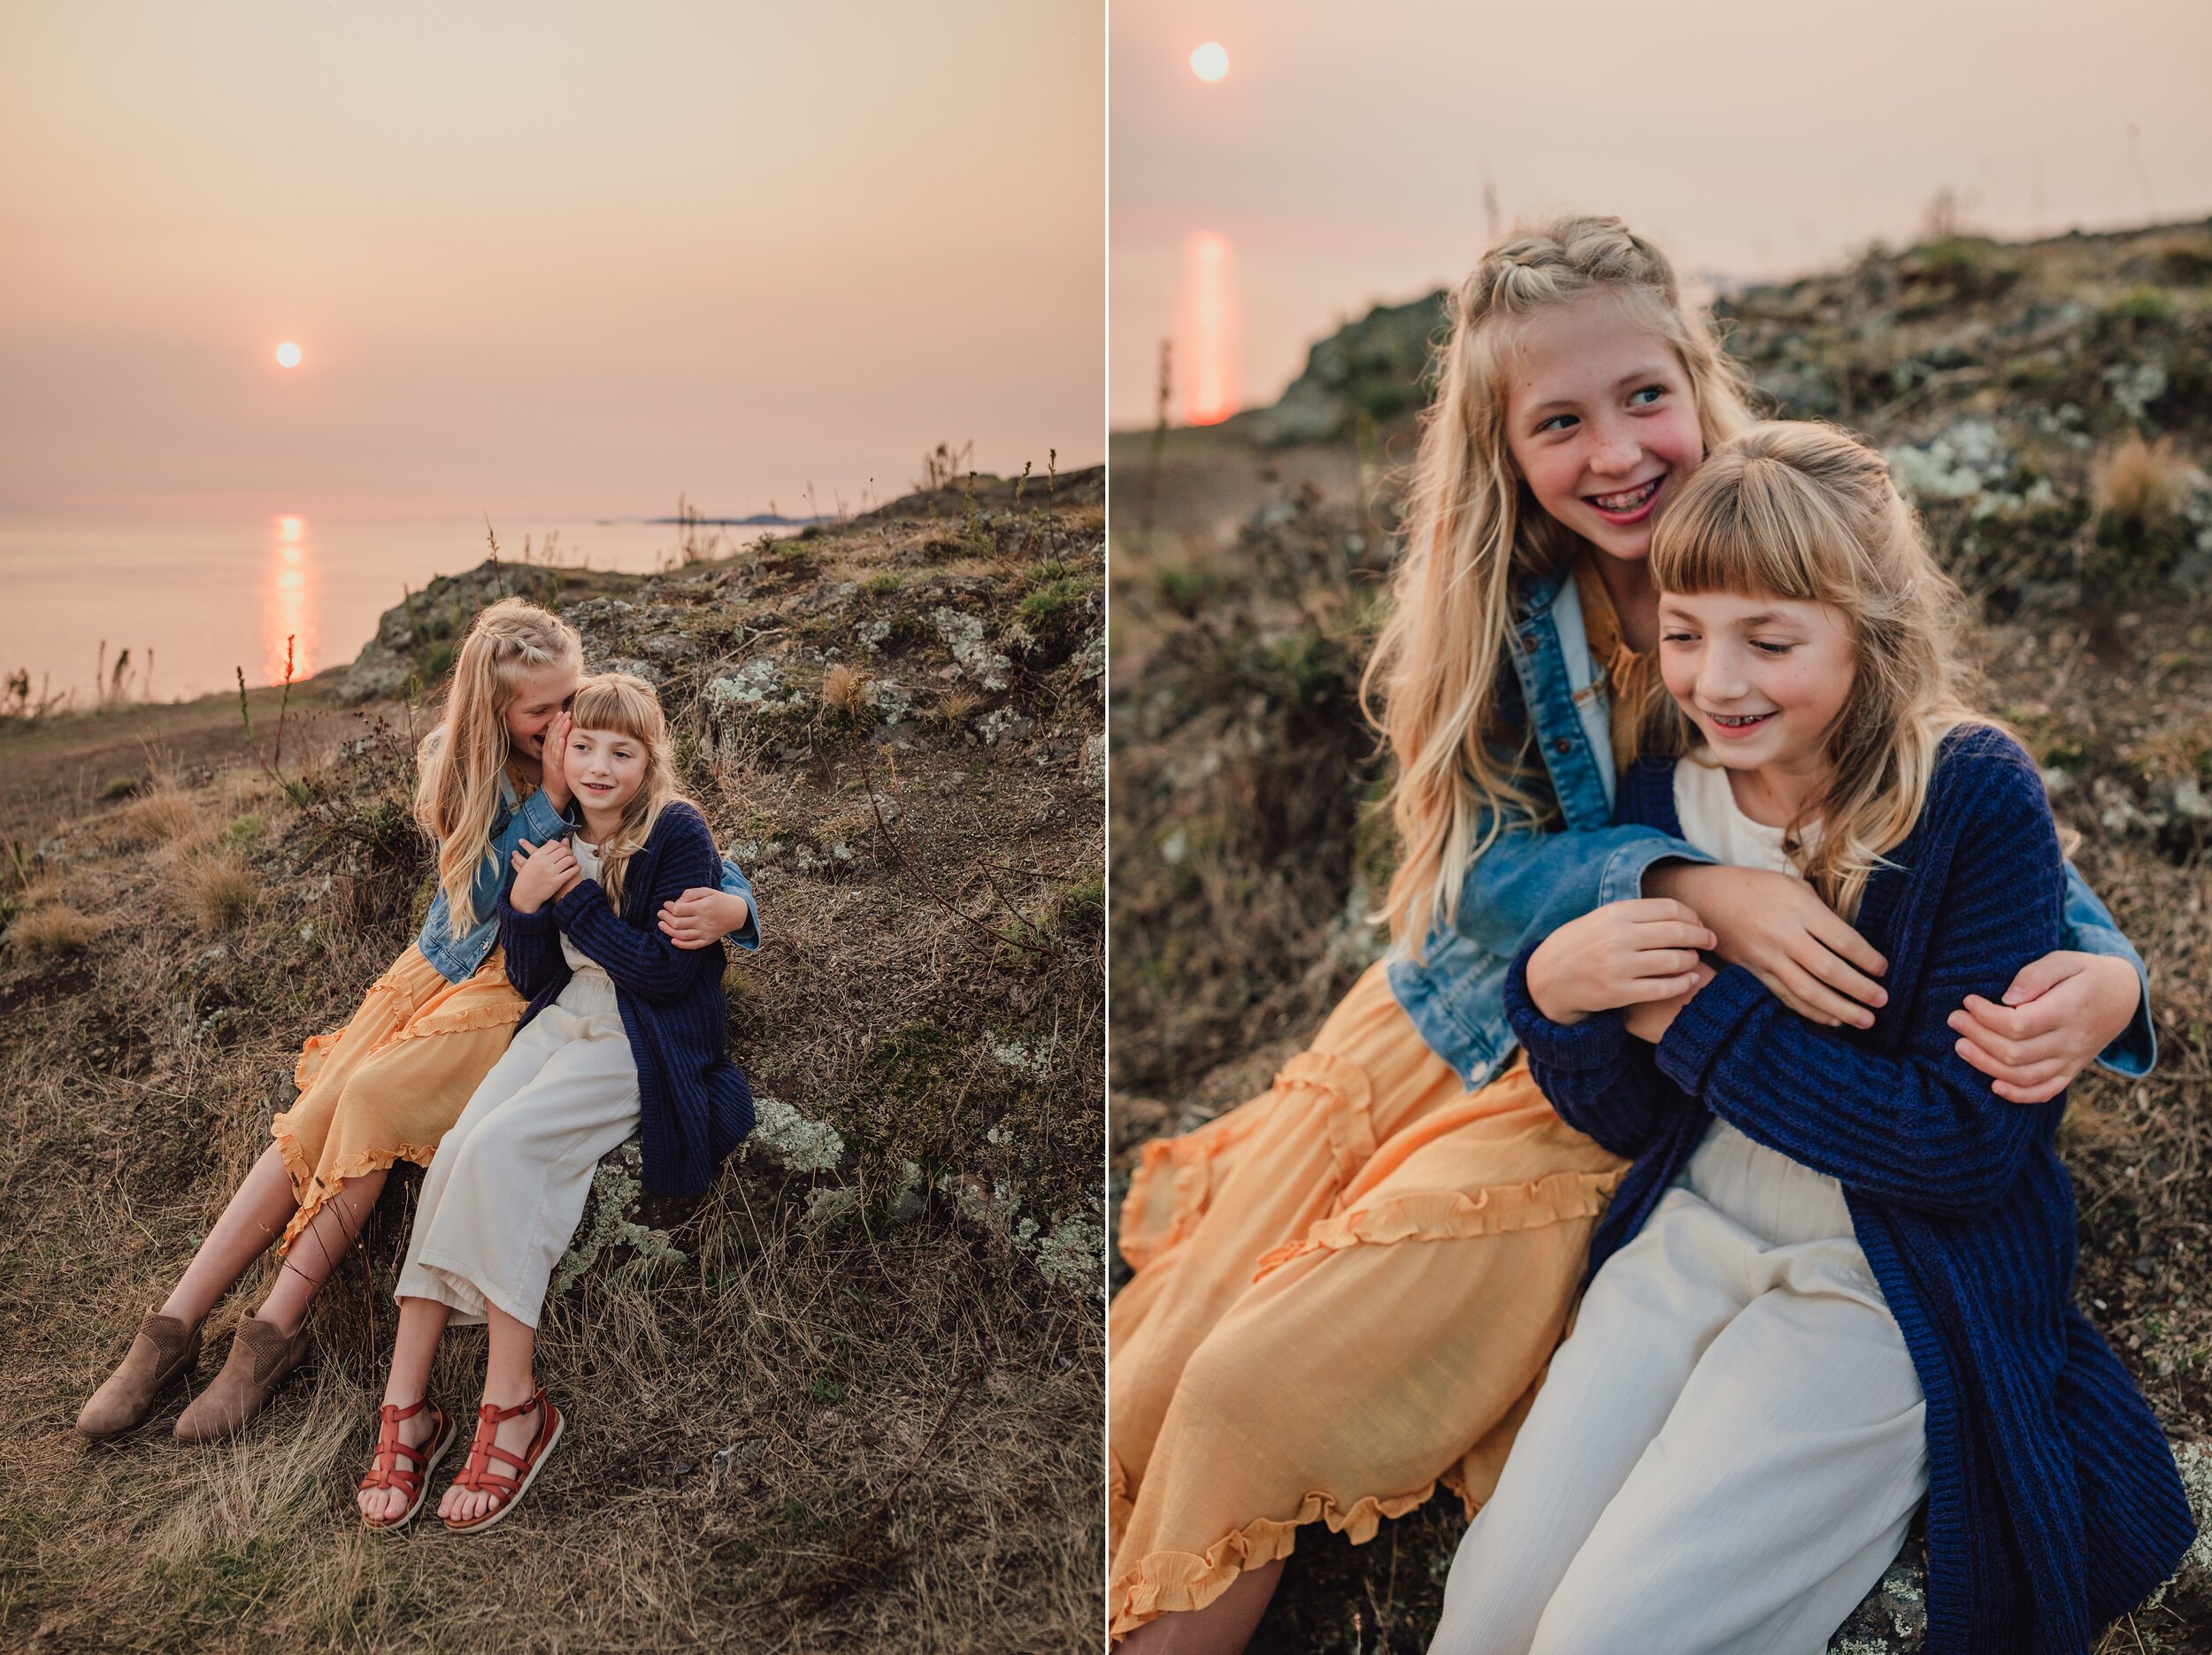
{"points": [[1344, 157], [543, 258]]}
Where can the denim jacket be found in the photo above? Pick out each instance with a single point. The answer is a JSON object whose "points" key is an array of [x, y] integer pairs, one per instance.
{"points": [[1532, 881], [534, 819]]}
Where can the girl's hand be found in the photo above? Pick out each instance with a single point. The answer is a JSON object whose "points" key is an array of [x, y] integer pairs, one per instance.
{"points": [[1778, 929], [553, 760], [2060, 1012], [1652, 1019], [542, 872], [702, 915], [1625, 953]]}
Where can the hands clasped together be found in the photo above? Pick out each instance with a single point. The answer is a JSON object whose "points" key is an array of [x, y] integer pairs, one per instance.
{"points": [[1647, 957]]}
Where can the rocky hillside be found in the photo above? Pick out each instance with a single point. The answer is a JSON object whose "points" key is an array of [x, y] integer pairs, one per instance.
{"points": [[2049, 406], [849, 1399]]}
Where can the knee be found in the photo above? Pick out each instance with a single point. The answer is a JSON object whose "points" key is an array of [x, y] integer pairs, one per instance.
{"points": [[1224, 1376]]}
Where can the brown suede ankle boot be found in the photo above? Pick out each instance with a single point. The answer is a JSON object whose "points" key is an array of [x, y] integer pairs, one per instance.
{"points": [[260, 1356], [163, 1352]]}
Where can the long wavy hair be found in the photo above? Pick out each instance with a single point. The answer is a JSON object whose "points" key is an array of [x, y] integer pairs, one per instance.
{"points": [[460, 761], [1797, 510], [622, 704], [1474, 533]]}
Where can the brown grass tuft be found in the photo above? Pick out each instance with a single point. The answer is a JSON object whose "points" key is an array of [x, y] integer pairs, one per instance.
{"points": [[51, 930], [221, 888], [2146, 484], [843, 688], [162, 816]]}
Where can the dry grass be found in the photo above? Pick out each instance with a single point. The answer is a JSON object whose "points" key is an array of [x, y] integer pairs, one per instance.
{"points": [[844, 688], [2144, 483], [874, 1433], [220, 889], [52, 930], [163, 814]]}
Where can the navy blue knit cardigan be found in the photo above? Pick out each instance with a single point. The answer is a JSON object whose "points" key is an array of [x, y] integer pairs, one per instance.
{"points": [[2053, 1505], [694, 1104]]}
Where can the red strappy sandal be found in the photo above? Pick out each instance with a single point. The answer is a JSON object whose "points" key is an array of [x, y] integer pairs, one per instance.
{"points": [[386, 1470], [478, 1478]]}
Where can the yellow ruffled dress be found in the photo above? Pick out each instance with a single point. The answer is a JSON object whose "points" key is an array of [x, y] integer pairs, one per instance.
{"points": [[1346, 1292], [387, 1085]]}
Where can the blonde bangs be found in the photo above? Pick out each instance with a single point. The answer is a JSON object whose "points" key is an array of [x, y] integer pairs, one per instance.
{"points": [[1801, 512]]}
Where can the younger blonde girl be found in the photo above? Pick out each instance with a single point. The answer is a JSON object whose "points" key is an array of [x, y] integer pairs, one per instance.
{"points": [[624, 1034], [1839, 1273], [386, 1087]]}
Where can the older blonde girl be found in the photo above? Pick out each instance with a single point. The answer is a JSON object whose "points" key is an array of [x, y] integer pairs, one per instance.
{"points": [[386, 1087], [1347, 1290]]}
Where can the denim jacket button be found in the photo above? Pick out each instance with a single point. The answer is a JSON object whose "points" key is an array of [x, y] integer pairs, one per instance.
{"points": [[1561, 744]]}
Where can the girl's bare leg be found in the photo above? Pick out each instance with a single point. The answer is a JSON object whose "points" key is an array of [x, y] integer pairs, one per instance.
{"points": [[315, 1253], [257, 1216], [421, 1324], [1224, 1627], [507, 1381]]}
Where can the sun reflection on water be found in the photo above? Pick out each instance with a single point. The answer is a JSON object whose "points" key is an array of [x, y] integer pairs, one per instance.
{"points": [[1208, 330], [289, 609]]}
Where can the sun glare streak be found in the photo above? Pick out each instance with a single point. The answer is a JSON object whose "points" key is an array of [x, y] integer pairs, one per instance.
{"points": [[1208, 350], [1210, 62], [290, 589]]}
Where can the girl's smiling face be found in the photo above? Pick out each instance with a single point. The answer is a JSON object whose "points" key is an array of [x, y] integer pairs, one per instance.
{"points": [[1601, 421], [605, 769], [1763, 679], [540, 695]]}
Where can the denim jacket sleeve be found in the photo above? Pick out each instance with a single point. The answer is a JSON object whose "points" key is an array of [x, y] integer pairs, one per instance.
{"points": [[735, 884], [1531, 882], [2089, 930]]}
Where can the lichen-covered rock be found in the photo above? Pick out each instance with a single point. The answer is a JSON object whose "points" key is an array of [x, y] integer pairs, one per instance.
{"points": [[610, 1223], [963, 634], [786, 1138]]}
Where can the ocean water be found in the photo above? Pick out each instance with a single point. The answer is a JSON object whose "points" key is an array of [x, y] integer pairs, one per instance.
{"points": [[192, 603]]}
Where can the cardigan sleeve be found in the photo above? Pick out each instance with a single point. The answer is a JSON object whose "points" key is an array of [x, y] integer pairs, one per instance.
{"points": [[1601, 1079], [1921, 1128], [530, 947], [645, 963]]}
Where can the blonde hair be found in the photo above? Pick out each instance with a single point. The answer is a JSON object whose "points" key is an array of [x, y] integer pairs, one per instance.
{"points": [[624, 704], [461, 761], [1474, 532], [1800, 510]]}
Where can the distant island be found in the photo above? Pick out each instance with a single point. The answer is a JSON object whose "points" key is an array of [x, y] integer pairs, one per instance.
{"points": [[758, 520]]}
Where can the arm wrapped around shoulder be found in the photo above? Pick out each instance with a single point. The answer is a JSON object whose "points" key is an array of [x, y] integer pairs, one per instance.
{"points": [[1896, 1113]]}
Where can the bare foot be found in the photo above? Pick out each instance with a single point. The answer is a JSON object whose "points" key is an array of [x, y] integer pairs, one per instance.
{"points": [[384, 1505], [465, 1506]]}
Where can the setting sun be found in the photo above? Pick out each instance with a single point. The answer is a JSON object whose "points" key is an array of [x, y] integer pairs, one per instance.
{"points": [[289, 354], [1209, 62]]}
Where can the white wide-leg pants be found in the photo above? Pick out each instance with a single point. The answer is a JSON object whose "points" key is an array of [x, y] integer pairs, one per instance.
{"points": [[1728, 1450], [508, 1185]]}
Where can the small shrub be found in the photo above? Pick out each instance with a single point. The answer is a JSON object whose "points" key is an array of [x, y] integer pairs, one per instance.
{"points": [[886, 581], [51, 931], [2140, 304], [844, 689], [119, 787], [2141, 484], [221, 888], [162, 816]]}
